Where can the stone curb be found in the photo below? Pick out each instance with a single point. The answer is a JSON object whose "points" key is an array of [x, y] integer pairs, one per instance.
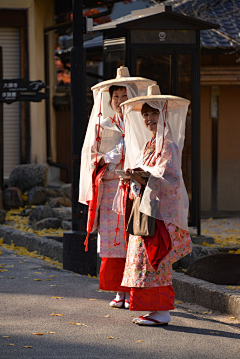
{"points": [[188, 289], [208, 295], [44, 246]]}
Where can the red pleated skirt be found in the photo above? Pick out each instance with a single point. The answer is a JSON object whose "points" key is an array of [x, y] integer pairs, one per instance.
{"points": [[111, 274], [152, 299]]}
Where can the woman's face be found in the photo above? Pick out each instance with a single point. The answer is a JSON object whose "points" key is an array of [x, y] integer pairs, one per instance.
{"points": [[118, 97], [150, 119]]}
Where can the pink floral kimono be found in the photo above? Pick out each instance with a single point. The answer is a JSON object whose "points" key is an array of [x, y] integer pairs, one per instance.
{"points": [[111, 244], [152, 289]]}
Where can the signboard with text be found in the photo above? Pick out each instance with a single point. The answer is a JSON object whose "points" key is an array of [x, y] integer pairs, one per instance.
{"points": [[12, 90]]}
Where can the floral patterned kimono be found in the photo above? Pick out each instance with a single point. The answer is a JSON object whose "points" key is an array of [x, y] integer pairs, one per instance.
{"points": [[111, 244], [151, 290]]}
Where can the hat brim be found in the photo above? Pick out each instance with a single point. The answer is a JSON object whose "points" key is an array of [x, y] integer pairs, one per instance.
{"points": [[173, 101], [140, 82]]}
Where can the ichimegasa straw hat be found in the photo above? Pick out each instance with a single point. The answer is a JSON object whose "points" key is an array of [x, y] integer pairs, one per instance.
{"points": [[154, 94], [123, 77]]}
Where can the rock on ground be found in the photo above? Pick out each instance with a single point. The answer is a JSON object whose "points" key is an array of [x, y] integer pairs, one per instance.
{"points": [[12, 198], [64, 213], [48, 223], [197, 252], [37, 195], [66, 225], [28, 176], [40, 212], [25, 212], [222, 268], [67, 189], [52, 193], [59, 201], [2, 216]]}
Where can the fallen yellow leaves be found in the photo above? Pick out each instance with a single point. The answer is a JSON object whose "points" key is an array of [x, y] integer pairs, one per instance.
{"points": [[92, 299], [6, 336], [111, 338], [23, 251], [37, 333], [52, 276], [57, 315], [236, 287], [37, 280], [178, 302], [214, 333], [85, 325], [27, 346], [57, 297], [233, 318], [11, 344], [207, 312], [138, 341], [14, 220], [51, 332]]}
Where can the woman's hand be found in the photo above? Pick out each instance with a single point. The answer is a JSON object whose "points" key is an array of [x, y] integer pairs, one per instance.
{"points": [[124, 180], [135, 176]]}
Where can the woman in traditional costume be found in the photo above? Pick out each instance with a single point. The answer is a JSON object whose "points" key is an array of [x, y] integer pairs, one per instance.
{"points": [[148, 268], [103, 153]]}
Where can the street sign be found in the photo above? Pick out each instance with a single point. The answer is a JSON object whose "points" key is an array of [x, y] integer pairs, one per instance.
{"points": [[12, 90]]}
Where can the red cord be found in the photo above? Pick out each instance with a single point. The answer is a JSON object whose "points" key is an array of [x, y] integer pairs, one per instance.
{"points": [[98, 138], [86, 242], [122, 162]]}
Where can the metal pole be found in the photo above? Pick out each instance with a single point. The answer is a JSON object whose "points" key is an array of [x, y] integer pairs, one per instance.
{"points": [[74, 256], [1, 124]]}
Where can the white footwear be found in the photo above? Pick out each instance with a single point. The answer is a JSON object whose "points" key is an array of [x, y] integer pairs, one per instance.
{"points": [[118, 301], [127, 301], [154, 318]]}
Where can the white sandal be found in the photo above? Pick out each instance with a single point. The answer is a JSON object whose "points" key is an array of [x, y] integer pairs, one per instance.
{"points": [[118, 301]]}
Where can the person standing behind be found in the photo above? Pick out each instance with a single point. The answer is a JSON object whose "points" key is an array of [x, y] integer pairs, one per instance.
{"points": [[101, 156]]}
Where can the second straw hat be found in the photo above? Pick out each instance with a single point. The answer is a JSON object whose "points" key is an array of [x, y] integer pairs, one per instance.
{"points": [[154, 94], [123, 77]]}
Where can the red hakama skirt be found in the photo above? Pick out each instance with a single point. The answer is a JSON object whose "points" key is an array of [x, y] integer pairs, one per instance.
{"points": [[152, 299], [111, 274]]}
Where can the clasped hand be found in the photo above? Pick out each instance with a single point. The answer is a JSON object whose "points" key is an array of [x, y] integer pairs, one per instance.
{"points": [[132, 175]]}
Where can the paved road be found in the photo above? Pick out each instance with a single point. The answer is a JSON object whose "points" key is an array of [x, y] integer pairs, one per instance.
{"points": [[26, 306]]}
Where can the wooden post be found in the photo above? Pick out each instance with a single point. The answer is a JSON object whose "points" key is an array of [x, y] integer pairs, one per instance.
{"points": [[74, 256], [1, 124]]}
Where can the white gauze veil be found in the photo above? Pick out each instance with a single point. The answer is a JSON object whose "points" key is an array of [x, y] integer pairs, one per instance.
{"points": [[165, 196], [102, 108]]}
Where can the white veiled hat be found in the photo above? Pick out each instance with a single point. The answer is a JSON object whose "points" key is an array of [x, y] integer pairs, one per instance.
{"points": [[166, 174], [154, 94], [135, 86], [123, 77]]}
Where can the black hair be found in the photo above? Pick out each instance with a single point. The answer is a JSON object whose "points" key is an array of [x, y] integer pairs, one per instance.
{"points": [[147, 108], [112, 89]]}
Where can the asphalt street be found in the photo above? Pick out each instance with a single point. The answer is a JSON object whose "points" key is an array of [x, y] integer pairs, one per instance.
{"points": [[31, 291]]}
